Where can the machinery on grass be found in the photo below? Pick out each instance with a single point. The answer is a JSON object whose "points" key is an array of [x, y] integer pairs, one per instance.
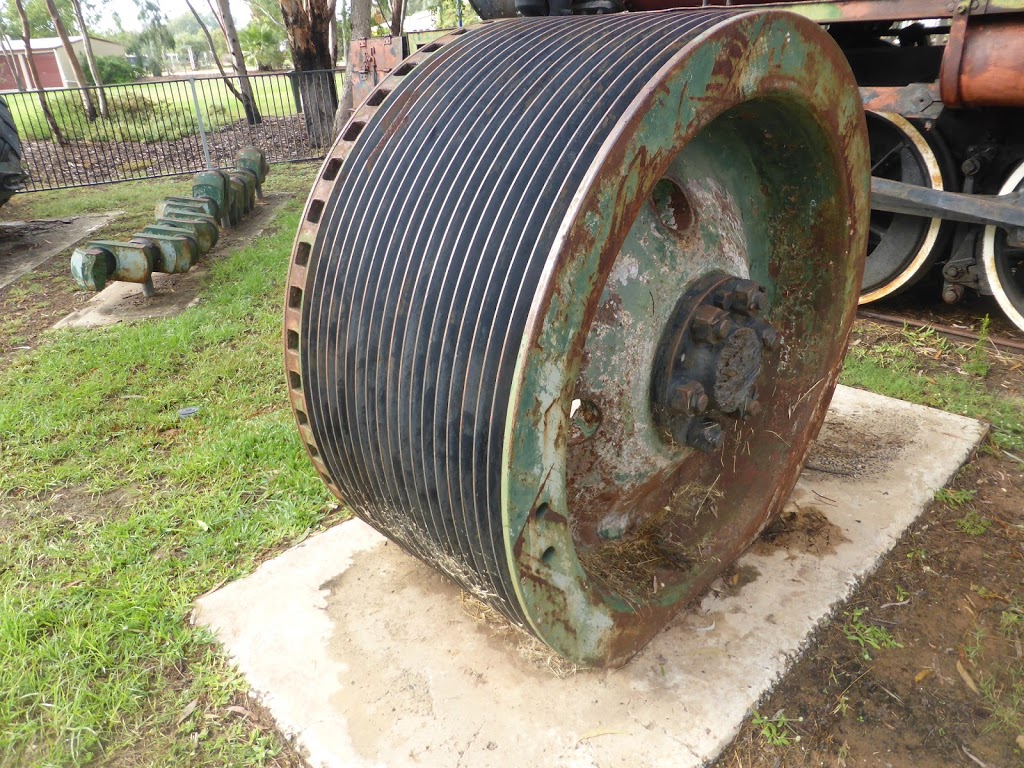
{"points": [[11, 173], [569, 299], [570, 296]]}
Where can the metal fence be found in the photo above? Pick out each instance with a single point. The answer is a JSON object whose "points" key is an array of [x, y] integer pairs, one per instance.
{"points": [[171, 126]]}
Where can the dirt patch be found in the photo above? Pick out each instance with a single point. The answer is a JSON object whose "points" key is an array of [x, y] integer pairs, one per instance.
{"points": [[852, 452], [800, 529], [81, 163], [78, 505], [24, 245], [951, 595]]}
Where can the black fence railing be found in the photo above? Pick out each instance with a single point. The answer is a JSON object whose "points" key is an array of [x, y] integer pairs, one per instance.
{"points": [[172, 126]]}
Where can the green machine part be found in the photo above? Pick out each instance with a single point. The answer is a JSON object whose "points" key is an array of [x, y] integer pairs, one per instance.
{"points": [[214, 185], [207, 205], [254, 161], [103, 261], [205, 232], [247, 188], [176, 216], [176, 252]]}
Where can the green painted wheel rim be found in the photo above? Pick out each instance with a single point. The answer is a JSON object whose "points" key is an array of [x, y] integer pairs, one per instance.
{"points": [[764, 108]]}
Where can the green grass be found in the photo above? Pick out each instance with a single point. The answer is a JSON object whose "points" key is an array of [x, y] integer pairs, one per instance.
{"points": [[867, 636], [115, 515], [150, 112], [775, 731], [895, 370]]}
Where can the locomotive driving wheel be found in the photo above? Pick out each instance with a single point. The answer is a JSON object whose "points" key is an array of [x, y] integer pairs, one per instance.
{"points": [[567, 307], [1003, 263], [901, 248]]}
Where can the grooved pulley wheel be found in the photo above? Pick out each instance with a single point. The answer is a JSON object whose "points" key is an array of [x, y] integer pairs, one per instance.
{"points": [[567, 306]]}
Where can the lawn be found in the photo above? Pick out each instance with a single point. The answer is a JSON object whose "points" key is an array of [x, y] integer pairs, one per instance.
{"points": [[152, 111], [115, 514]]}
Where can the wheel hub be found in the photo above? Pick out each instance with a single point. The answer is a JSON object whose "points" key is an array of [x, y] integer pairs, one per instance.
{"points": [[710, 360]]}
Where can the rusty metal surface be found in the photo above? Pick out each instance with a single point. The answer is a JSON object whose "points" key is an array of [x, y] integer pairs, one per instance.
{"points": [[847, 10], [370, 60], [590, 614], [917, 100], [952, 56], [991, 65], [455, 278]]}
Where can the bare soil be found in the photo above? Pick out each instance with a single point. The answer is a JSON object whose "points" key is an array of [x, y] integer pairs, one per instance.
{"points": [[950, 594]]}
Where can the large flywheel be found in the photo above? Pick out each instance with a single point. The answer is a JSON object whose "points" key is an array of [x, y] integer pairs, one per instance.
{"points": [[569, 301]]}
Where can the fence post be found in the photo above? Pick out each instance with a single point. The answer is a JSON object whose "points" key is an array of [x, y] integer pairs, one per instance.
{"points": [[199, 120]]}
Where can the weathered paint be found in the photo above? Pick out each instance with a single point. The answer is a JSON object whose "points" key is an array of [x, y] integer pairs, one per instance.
{"points": [[102, 261], [843, 10], [204, 231], [178, 249], [203, 204], [789, 145]]}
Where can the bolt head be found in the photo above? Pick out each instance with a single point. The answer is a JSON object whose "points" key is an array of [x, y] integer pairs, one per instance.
{"points": [[749, 297], [771, 339], [687, 397], [711, 324], [706, 436]]}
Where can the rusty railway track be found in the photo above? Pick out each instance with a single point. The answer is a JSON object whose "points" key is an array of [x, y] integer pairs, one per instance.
{"points": [[964, 335]]}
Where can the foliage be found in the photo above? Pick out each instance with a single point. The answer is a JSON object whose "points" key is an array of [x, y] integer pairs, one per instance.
{"points": [[775, 731], [978, 363], [973, 524], [39, 21], [867, 636], [263, 45], [113, 70], [161, 111], [954, 497], [446, 13]]}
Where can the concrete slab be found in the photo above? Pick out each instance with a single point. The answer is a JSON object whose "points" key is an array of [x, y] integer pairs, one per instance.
{"points": [[24, 245], [124, 302], [371, 659]]}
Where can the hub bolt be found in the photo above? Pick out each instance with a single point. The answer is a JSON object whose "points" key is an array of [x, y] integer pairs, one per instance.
{"points": [[706, 436], [687, 397], [748, 297], [771, 339], [711, 324], [952, 293]]}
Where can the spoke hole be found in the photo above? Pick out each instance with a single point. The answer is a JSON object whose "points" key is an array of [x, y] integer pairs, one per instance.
{"points": [[672, 206], [548, 556]]}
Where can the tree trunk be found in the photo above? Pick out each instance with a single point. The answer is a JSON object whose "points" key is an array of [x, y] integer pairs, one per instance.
{"points": [[252, 114], [397, 17], [90, 58], [12, 61], [308, 23], [360, 29], [26, 36], [76, 65], [227, 24]]}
